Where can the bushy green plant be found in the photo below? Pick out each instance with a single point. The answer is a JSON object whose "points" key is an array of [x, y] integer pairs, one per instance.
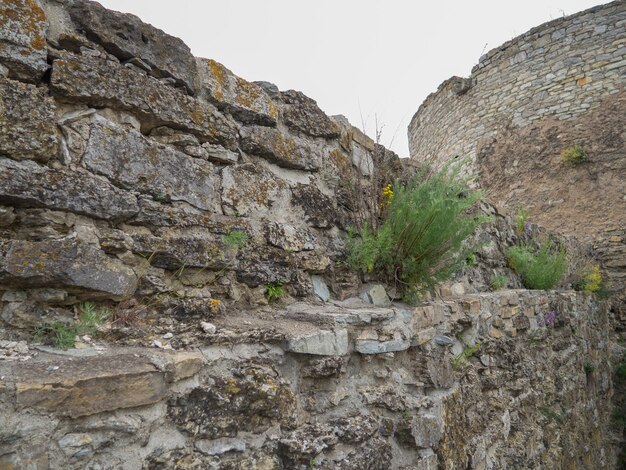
{"points": [[498, 281], [235, 239], [274, 291], [542, 269], [574, 155], [421, 242]]}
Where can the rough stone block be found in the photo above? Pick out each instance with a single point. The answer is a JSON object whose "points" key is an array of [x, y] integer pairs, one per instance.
{"points": [[23, 27], [284, 150], [106, 83], [249, 189], [90, 385], [186, 364], [27, 127], [66, 263], [132, 161], [301, 113], [60, 189], [290, 238], [365, 346], [322, 343], [471, 306], [127, 37], [245, 101], [426, 430]]}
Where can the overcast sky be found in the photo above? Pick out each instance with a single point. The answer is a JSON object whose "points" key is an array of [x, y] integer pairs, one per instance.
{"points": [[359, 58]]}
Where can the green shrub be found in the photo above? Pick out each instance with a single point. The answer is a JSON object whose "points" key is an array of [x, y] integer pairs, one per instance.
{"points": [[543, 269], [274, 291], [235, 239], [498, 281], [574, 155], [421, 241]]}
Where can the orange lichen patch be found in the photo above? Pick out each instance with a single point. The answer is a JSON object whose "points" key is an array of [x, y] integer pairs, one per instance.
{"points": [[284, 147], [247, 93], [583, 81], [341, 161], [218, 72], [27, 18]]}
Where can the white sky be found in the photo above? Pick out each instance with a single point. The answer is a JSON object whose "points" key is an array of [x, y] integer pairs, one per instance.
{"points": [[359, 58]]}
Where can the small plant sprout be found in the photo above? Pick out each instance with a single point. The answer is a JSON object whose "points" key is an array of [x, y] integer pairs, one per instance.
{"points": [[498, 281], [461, 359], [589, 368], [215, 305], [235, 239], [274, 291], [574, 155], [521, 221]]}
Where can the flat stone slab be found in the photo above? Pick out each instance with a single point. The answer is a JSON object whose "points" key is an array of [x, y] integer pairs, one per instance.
{"points": [[367, 346], [323, 343]]}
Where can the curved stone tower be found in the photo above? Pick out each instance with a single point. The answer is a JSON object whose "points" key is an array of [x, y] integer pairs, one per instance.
{"points": [[559, 85]]}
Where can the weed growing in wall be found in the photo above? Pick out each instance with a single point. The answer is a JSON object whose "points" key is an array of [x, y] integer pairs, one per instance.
{"points": [[574, 155], [540, 269], [461, 359], [63, 335], [235, 239], [274, 291], [498, 281], [421, 241], [590, 282]]}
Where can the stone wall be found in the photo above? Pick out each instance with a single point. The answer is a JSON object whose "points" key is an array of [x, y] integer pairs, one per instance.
{"points": [[129, 167], [559, 85], [481, 381], [171, 193]]}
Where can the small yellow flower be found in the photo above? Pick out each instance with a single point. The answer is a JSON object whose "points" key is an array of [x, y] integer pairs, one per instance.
{"points": [[388, 194], [215, 305]]}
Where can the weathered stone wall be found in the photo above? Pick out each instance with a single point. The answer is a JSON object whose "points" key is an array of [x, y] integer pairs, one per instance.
{"points": [[559, 85], [172, 192], [337, 386], [126, 165]]}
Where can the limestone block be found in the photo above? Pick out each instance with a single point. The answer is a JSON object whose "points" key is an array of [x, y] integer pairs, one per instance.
{"points": [[23, 27], [301, 113], [248, 189], [127, 37], [366, 346], [471, 306], [132, 161], [289, 238], [377, 295], [66, 263], [247, 102], [426, 430], [27, 127], [320, 288], [322, 343], [106, 83], [284, 150], [318, 208], [90, 385], [60, 189]]}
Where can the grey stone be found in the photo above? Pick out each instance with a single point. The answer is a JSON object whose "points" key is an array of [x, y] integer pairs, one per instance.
{"points": [[133, 162], [322, 343], [284, 150], [219, 154], [73, 443], [65, 263], [320, 289], [301, 113], [78, 192], [377, 295], [368, 346], [245, 101], [106, 83], [128, 38], [289, 238], [442, 340], [27, 128], [221, 446], [269, 88], [23, 27], [427, 431]]}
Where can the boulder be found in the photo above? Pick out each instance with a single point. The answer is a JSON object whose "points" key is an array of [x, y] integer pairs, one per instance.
{"points": [[284, 150], [99, 82], [301, 113], [67, 263], [23, 27], [132, 161], [61, 189], [127, 37], [245, 101]]}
